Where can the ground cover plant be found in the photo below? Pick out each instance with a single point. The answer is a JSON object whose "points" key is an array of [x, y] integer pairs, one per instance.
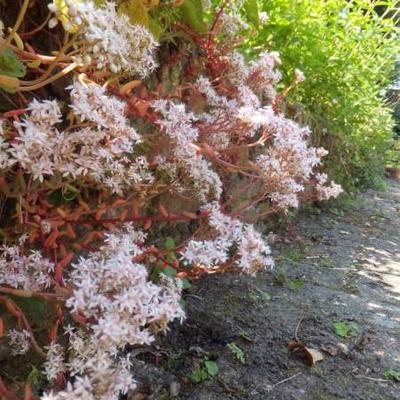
{"points": [[139, 147]]}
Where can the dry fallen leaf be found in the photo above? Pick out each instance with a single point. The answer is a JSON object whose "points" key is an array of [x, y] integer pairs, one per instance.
{"points": [[364, 341], [332, 350], [309, 355]]}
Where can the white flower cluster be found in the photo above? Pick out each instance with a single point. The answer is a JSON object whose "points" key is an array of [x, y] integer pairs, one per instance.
{"points": [[253, 251], [107, 39], [20, 341], [325, 192], [287, 163], [231, 24], [260, 75], [97, 374], [98, 151], [122, 308], [1, 29], [28, 272], [224, 119], [178, 125]]}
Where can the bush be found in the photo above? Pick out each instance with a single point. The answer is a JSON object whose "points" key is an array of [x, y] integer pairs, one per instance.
{"points": [[347, 51], [128, 166]]}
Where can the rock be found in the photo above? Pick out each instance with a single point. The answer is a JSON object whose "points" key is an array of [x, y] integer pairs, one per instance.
{"points": [[343, 348], [174, 389]]}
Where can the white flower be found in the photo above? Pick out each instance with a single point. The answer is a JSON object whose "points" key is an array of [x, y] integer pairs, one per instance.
{"points": [[178, 124], [54, 364], [253, 251], [99, 151], [299, 75], [20, 341], [325, 191], [31, 272], [263, 17], [123, 307], [109, 40]]}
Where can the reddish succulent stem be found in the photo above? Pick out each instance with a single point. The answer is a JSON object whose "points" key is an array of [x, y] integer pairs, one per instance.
{"points": [[152, 218], [5, 393]]}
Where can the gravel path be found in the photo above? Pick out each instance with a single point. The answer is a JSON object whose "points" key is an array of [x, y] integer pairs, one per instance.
{"points": [[336, 288]]}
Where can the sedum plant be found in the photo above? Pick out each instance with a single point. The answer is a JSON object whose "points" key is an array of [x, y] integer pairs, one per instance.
{"points": [[91, 176]]}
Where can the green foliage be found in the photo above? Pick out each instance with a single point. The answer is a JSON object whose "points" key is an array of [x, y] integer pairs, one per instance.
{"points": [[392, 374], [295, 284], [347, 52], [237, 352], [258, 295], [11, 68], [343, 329], [35, 378], [251, 11], [192, 13], [10, 65], [198, 375], [209, 370]]}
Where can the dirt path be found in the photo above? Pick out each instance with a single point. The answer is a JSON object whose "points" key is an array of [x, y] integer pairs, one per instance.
{"points": [[340, 267]]}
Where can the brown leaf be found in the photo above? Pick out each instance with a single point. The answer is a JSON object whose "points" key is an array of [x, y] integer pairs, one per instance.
{"points": [[363, 342], [309, 355], [332, 350]]}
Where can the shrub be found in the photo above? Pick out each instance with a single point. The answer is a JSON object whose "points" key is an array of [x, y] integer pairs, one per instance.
{"points": [[347, 51], [101, 152]]}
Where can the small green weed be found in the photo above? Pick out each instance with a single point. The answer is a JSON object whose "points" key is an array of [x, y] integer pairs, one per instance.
{"points": [[236, 351], [280, 276], [392, 374], [258, 295], [295, 284], [208, 370], [344, 329]]}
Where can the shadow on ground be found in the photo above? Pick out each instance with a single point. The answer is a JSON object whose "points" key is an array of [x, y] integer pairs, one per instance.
{"points": [[339, 268]]}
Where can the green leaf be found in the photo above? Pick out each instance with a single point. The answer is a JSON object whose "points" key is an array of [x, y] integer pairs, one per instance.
{"points": [[31, 306], [237, 352], [185, 283], [251, 9], [182, 303], [155, 27], [193, 14], [169, 271], [34, 308], [199, 375], [344, 330], [295, 284], [265, 296], [136, 11], [35, 378], [211, 367], [392, 374], [169, 243], [10, 64]]}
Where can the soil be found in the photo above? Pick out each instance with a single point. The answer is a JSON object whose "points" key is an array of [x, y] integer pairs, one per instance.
{"points": [[338, 274]]}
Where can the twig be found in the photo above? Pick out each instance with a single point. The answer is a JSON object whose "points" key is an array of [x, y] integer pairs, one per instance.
{"points": [[272, 387], [297, 328], [18, 22], [287, 379], [372, 379]]}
